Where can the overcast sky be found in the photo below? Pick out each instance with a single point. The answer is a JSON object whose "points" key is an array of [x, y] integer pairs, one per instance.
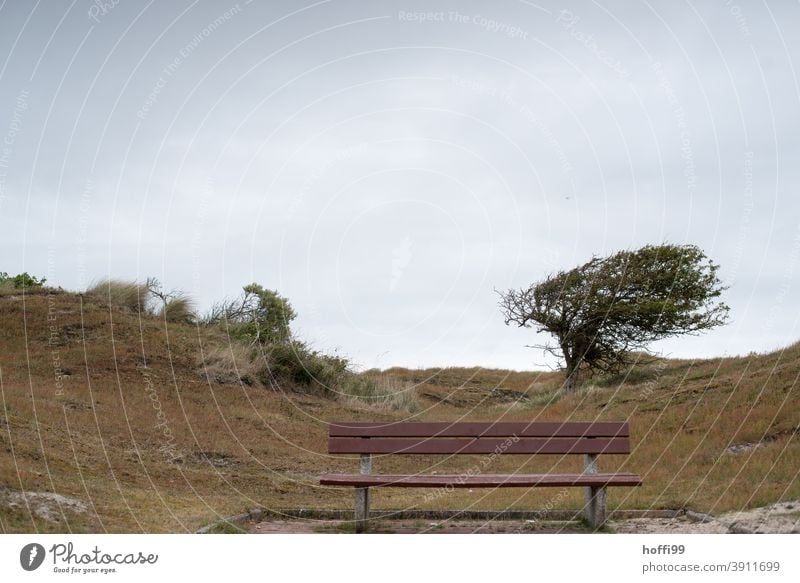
{"points": [[388, 165]]}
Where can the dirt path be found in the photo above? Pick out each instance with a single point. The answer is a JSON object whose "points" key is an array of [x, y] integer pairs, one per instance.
{"points": [[783, 517], [780, 518], [419, 527]]}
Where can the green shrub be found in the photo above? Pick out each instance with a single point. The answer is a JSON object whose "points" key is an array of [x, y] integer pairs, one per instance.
{"points": [[294, 364], [21, 281], [258, 316]]}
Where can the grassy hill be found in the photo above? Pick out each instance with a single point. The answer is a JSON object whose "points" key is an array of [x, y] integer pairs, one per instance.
{"points": [[117, 414]]}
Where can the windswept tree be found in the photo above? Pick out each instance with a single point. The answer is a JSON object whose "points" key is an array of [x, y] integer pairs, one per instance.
{"points": [[608, 308], [258, 316]]}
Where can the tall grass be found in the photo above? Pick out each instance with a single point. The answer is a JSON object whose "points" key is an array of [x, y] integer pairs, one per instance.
{"points": [[381, 392], [229, 363], [179, 309], [126, 294], [7, 288]]}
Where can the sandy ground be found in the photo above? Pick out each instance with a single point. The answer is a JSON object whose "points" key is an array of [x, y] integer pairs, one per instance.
{"points": [[780, 518], [783, 517], [45, 505]]}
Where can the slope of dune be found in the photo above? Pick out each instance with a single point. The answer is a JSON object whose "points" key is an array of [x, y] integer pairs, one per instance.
{"points": [[107, 423]]}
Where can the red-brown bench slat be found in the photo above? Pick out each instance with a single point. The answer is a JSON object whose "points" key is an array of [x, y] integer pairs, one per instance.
{"points": [[480, 429], [484, 445], [480, 481]]}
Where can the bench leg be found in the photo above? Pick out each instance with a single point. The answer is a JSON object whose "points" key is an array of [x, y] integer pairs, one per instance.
{"points": [[362, 509], [596, 506]]}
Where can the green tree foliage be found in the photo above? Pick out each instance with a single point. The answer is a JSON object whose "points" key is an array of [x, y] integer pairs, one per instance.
{"points": [[22, 280], [608, 308], [260, 319], [258, 316]]}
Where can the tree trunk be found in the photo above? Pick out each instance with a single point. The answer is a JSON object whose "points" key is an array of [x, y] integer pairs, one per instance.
{"points": [[571, 382], [572, 370]]}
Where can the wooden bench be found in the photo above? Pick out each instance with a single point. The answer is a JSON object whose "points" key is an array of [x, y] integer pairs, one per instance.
{"points": [[481, 438]]}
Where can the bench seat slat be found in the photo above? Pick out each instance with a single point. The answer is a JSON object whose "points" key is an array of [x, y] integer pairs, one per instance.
{"points": [[480, 481], [486, 445], [479, 429]]}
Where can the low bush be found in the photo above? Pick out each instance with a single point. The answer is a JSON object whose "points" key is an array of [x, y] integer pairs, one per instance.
{"points": [[21, 281], [292, 363]]}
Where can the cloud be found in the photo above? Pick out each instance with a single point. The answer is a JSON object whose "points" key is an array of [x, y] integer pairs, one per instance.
{"points": [[387, 174]]}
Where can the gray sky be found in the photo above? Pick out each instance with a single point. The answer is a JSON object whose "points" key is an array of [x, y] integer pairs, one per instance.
{"points": [[388, 165]]}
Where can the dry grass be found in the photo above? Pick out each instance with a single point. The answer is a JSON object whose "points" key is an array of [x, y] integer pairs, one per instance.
{"points": [[7, 289], [180, 309], [227, 362], [111, 411], [381, 392], [126, 294]]}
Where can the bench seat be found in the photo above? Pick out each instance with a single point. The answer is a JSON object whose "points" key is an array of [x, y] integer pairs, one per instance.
{"points": [[480, 481]]}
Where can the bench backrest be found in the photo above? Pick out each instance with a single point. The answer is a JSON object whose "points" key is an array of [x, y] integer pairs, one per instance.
{"points": [[472, 437]]}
